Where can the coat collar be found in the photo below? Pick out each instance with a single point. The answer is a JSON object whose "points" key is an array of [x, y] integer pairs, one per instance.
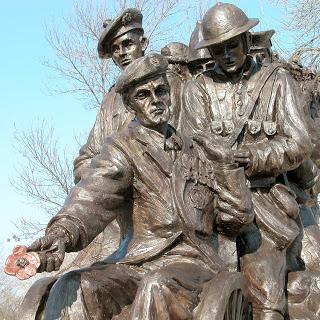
{"points": [[158, 146], [218, 74]]}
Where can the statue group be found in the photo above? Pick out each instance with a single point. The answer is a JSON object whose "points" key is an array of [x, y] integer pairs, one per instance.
{"points": [[206, 156]]}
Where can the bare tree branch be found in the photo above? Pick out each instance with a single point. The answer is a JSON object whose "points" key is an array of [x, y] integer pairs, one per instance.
{"points": [[45, 176], [303, 20]]}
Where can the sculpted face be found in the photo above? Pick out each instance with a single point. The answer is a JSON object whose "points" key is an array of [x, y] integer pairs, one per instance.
{"points": [[127, 48], [150, 101], [230, 55]]}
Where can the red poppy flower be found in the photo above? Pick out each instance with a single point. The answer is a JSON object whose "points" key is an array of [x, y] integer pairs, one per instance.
{"points": [[21, 263]]}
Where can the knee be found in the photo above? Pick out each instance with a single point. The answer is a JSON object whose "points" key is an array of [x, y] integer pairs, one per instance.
{"points": [[67, 284], [155, 280]]}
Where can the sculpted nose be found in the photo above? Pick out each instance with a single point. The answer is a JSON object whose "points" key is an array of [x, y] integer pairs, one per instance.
{"points": [[155, 98], [226, 53], [122, 51]]}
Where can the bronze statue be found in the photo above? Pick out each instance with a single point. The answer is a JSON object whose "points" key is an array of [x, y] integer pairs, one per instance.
{"points": [[256, 110], [261, 44], [122, 40], [181, 201], [198, 59], [216, 220], [177, 75]]}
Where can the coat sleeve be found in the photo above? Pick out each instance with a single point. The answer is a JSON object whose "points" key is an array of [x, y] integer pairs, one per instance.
{"points": [[233, 203], [196, 108], [95, 140], [291, 144], [97, 199]]}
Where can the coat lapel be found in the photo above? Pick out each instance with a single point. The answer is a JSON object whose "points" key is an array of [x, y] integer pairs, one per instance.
{"points": [[154, 149]]}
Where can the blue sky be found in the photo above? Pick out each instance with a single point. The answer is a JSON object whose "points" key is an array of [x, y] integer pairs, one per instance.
{"points": [[23, 96]]}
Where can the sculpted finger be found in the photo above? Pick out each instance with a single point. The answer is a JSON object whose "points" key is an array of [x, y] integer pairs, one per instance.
{"points": [[57, 262], [200, 139], [242, 154], [242, 160], [35, 246], [50, 263]]}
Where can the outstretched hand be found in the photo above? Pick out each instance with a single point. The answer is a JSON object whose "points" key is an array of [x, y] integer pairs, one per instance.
{"points": [[51, 249], [215, 149]]}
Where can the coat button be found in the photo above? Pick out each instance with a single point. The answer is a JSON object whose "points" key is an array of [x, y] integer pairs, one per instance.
{"points": [[239, 103]]}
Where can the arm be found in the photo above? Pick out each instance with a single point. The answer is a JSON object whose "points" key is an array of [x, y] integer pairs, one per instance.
{"points": [[95, 140], [291, 144], [93, 203], [195, 115]]}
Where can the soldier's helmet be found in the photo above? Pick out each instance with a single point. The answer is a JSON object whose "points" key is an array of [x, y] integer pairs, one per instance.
{"points": [[176, 52], [223, 22], [195, 55]]}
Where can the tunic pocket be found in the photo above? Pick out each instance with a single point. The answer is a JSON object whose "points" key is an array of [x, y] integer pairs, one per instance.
{"points": [[254, 126], [269, 127]]}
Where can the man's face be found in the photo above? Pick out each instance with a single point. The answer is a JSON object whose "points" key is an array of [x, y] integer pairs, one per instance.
{"points": [[128, 47], [150, 102], [229, 55]]}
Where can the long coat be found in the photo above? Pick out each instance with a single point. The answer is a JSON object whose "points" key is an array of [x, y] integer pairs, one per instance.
{"points": [[178, 203], [133, 165]]}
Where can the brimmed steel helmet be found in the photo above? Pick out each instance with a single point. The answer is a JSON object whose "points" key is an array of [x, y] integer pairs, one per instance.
{"points": [[196, 55], [176, 52], [223, 22]]}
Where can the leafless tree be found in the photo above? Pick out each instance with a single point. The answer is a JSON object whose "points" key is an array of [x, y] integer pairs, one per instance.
{"points": [[76, 60], [303, 19], [44, 177]]}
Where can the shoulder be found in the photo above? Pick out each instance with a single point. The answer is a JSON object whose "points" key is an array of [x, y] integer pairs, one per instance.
{"points": [[195, 86]]}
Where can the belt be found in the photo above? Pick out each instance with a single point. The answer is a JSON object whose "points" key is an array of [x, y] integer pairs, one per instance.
{"points": [[262, 182]]}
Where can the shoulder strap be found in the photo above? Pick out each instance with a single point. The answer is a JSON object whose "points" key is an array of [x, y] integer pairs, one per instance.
{"points": [[239, 125], [210, 87]]}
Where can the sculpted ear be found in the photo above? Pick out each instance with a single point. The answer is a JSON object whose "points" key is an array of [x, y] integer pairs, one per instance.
{"points": [[130, 109], [126, 103], [144, 43]]}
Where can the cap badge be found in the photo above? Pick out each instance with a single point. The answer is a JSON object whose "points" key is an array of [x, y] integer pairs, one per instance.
{"points": [[127, 18]]}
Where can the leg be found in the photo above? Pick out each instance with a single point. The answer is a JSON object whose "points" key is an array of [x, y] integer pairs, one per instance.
{"points": [[265, 271], [171, 292], [92, 293]]}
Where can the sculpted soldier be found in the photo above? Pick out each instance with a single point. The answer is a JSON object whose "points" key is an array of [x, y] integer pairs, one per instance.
{"points": [[178, 74], [170, 255], [122, 40], [198, 59], [261, 45], [256, 109]]}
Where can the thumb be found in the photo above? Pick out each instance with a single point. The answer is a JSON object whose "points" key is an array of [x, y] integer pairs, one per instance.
{"points": [[35, 246], [201, 140]]}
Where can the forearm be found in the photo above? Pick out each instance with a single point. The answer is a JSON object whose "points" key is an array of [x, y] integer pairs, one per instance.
{"points": [[277, 155]]}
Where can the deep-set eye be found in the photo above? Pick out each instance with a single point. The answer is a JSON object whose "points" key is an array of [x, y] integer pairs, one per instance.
{"points": [[127, 43], [216, 51], [115, 49], [141, 95], [233, 45], [161, 91]]}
